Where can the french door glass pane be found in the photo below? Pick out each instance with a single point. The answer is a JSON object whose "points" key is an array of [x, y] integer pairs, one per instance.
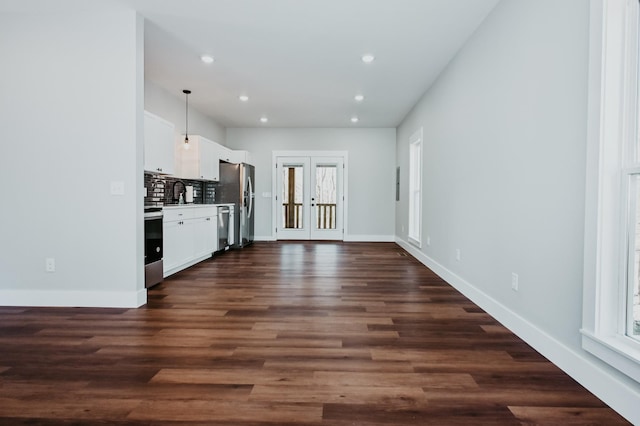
{"points": [[326, 196], [634, 247], [292, 196]]}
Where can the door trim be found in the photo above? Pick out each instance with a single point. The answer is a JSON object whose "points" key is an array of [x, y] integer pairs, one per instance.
{"points": [[274, 184]]}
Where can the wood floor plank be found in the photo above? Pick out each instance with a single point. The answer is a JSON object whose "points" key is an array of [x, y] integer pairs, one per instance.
{"points": [[165, 352], [225, 411], [232, 376], [300, 353], [326, 394], [281, 341], [374, 379], [285, 333], [564, 416], [340, 365], [512, 397], [68, 407], [420, 414]]}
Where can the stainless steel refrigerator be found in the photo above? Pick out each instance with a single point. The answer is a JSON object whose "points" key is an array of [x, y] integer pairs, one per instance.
{"points": [[236, 186]]}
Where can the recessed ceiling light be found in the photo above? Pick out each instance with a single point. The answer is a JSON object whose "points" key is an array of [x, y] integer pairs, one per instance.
{"points": [[243, 98], [207, 59], [358, 98], [264, 119], [368, 58], [354, 119]]}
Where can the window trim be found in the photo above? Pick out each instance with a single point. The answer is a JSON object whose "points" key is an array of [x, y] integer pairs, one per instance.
{"points": [[612, 110], [415, 238]]}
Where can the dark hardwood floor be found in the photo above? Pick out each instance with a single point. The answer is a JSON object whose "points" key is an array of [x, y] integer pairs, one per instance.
{"points": [[283, 334]]}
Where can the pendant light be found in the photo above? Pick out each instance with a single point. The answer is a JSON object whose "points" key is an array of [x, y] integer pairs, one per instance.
{"points": [[186, 120]]}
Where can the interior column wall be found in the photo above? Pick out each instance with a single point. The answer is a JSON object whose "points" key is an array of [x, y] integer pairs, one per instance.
{"points": [[71, 107]]}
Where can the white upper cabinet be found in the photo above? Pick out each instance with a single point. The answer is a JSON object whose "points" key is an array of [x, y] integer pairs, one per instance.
{"points": [[231, 156], [200, 161], [159, 136], [240, 157], [225, 154]]}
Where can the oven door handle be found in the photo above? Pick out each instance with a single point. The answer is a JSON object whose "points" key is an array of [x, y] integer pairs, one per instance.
{"points": [[153, 215]]}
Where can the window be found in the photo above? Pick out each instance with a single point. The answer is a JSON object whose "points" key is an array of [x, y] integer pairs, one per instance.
{"points": [[612, 232], [415, 185]]}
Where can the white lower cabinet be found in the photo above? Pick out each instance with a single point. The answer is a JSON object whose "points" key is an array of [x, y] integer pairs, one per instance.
{"points": [[206, 237], [189, 236]]}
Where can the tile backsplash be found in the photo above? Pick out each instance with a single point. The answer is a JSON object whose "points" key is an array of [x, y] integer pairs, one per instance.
{"points": [[162, 190]]}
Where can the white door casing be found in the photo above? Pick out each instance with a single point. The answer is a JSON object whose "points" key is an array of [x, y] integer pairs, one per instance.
{"points": [[317, 214]]}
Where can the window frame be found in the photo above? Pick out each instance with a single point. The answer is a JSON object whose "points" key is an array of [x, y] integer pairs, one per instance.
{"points": [[632, 190], [414, 236], [612, 121]]}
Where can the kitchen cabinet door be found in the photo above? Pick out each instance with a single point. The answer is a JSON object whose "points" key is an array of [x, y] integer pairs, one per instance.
{"points": [[210, 166], [178, 243], [159, 135], [206, 235], [240, 156], [225, 154], [199, 161], [171, 232]]}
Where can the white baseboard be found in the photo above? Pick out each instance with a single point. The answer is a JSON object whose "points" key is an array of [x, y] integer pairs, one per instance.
{"points": [[585, 369], [369, 238], [87, 299], [168, 272], [347, 238]]}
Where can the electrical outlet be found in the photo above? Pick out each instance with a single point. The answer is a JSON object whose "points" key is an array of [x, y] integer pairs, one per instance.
{"points": [[514, 281], [402, 226], [428, 240], [50, 264], [458, 257]]}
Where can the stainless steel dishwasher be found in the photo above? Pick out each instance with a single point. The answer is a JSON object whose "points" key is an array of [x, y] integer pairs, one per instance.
{"points": [[223, 228]]}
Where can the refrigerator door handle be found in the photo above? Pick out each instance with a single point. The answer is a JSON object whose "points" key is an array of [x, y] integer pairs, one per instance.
{"points": [[250, 210]]}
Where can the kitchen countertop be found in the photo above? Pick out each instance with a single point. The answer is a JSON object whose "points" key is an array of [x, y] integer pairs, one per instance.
{"points": [[183, 206]]}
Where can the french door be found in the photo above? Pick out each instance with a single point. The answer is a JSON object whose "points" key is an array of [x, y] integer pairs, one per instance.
{"points": [[310, 198]]}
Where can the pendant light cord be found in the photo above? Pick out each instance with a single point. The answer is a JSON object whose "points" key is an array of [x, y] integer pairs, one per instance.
{"points": [[186, 119]]}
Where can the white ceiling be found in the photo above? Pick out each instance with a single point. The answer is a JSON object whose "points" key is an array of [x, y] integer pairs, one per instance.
{"points": [[299, 60]]}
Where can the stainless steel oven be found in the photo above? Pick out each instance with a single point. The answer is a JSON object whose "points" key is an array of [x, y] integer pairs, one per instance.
{"points": [[152, 246]]}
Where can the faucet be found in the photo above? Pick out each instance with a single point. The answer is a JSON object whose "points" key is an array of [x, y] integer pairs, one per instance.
{"points": [[180, 198]]}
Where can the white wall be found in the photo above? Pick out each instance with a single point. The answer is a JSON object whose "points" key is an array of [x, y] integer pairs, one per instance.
{"points": [[371, 180], [504, 179], [171, 107], [71, 123]]}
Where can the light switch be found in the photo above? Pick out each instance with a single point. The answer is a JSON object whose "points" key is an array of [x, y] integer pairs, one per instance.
{"points": [[117, 187], [266, 195]]}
